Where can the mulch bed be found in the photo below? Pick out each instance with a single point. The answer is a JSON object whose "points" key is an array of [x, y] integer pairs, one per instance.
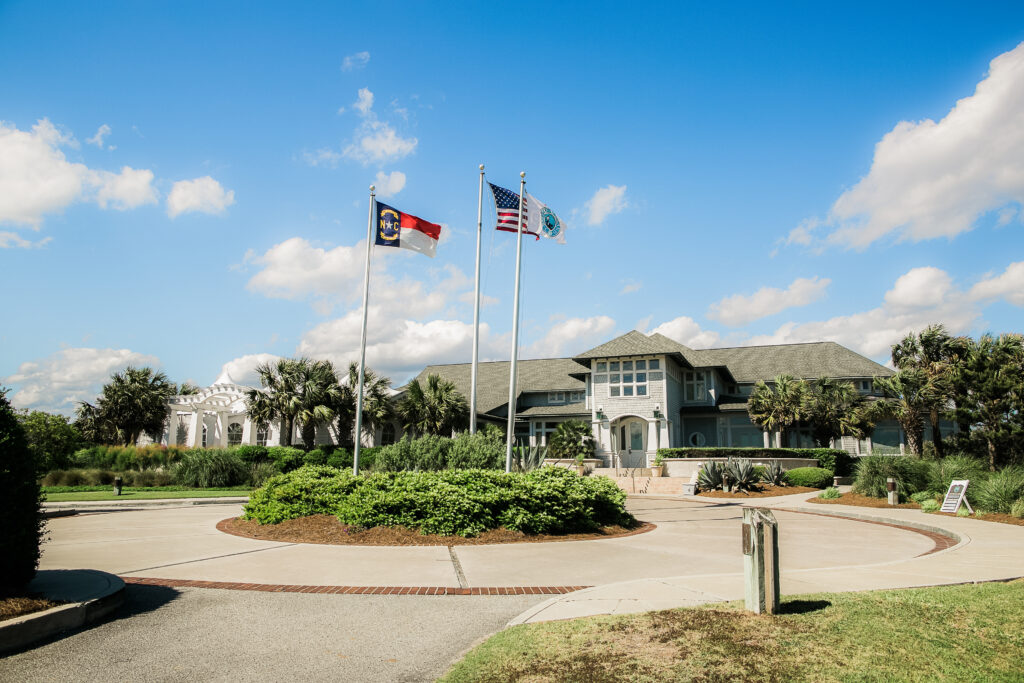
{"points": [[327, 530], [19, 606], [868, 502], [763, 491]]}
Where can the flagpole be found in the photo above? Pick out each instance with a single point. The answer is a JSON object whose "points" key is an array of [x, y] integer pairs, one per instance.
{"points": [[515, 332], [476, 305], [362, 337]]}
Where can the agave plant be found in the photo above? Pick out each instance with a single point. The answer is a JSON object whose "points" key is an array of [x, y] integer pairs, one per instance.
{"points": [[741, 474], [710, 476], [526, 458], [774, 474]]}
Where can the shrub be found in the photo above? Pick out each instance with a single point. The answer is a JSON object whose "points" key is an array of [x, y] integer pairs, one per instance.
{"points": [[341, 458], [368, 457], [911, 475], [922, 496], [206, 468], [428, 453], [260, 472], [774, 474], [572, 439], [22, 528], [122, 458], [1017, 509], [741, 474], [831, 493], [1001, 490], [930, 505], [285, 457], [942, 472], [710, 476], [252, 454], [452, 502], [814, 477], [484, 450], [315, 457], [838, 461]]}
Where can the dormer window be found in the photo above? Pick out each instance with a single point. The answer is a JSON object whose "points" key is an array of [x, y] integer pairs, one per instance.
{"points": [[556, 397]]}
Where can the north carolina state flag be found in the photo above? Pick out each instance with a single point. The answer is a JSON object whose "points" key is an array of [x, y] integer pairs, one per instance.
{"points": [[403, 230]]}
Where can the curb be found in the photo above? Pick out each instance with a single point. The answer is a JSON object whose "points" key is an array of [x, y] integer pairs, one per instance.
{"points": [[70, 508], [20, 632], [875, 518]]}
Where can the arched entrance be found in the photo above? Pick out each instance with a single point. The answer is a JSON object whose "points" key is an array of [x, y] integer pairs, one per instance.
{"points": [[629, 441]]}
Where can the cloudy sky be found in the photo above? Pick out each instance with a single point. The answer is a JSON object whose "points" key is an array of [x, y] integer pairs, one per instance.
{"points": [[185, 184]]}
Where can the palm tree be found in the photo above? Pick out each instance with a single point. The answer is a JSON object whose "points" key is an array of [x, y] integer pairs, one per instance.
{"points": [[318, 393], [436, 408], [279, 381], [778, 406], [938, 355], [92, 425], [571, 439], [377, 405], [186, 388], [834, 408], [133, 402], [909, 399]]}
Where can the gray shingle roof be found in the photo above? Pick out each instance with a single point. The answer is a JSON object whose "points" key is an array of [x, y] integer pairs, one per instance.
{"points": [[804, 361], [546, 374], [566, 410]]}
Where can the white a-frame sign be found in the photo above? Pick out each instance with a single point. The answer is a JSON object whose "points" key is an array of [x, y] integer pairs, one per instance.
{"points": [[956, 495]]}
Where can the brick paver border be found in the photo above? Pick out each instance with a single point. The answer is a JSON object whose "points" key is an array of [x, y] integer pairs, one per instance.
{"points": [[942, 541], [354, 590]]}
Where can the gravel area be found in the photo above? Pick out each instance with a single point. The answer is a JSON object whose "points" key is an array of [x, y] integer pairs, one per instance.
{"points": [[165, 634]]}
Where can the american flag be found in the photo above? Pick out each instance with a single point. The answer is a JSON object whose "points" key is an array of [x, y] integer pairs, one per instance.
{"points": [[506, 204]]}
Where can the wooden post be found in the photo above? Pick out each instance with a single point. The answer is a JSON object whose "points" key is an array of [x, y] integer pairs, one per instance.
{"points": [[761, 560]]}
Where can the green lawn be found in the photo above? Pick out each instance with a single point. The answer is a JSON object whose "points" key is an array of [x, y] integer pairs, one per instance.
{"points": [[954, 633], [107, 493]]}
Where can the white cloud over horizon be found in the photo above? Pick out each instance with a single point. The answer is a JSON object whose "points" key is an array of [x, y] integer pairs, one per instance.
{"points": [[376, 141], [59, 381], [572, 335], [739, 309], [355, 61], [606, 201], [202, 195], [389, 184], [242, 370], [936, 179]]}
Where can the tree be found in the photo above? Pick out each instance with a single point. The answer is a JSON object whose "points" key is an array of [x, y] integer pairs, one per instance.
{"points": [[435, 408], [993, 374], [132, 403], [777, 406], [295, 390], [377, 405], [318, 393], [22, 529], [186, 388], [938, 355], [834, 408], [571, 439], [909, 396], [52, 439]]}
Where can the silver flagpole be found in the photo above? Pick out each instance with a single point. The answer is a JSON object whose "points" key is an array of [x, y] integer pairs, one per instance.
{"points": [[362, 337], [476, 305], [515, 332]]}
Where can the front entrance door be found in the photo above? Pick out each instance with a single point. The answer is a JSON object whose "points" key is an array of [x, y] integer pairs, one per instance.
{"points": [[632, 443]]}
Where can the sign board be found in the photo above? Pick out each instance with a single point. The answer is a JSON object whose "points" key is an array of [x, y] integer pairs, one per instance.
{"points": [[956, 495]]}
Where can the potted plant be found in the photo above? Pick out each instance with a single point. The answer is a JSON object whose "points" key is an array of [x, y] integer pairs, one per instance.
{"points": [[580, 467], [658, 467]]}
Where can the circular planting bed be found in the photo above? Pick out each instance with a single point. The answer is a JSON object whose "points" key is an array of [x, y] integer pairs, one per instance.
{"points": [[763, 491], [328, 530]]}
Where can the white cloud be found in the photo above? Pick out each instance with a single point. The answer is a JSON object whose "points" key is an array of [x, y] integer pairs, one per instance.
{"points": [[356, 61], [931, 179], [242, 370], [101, 133], [57, 382], [389, 184], [322, 157], [605, 202], [376, 141], [919, 288], [574, 334], [13, 239], [485, 300], [631, 286], [687, 332], [1009, 285], [128, 189], [201, 194], [739, 309]]}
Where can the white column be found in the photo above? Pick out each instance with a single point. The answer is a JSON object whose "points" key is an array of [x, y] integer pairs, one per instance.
{"points": [[767, 439], [222, 428], [248, 437], [195, 436]]}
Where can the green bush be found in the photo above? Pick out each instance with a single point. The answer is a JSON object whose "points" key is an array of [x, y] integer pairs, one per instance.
{"points": [[317, 456], [831, 493], [814, 477], [922, 496], [285, 457], [838, 461], [1017, 509], [204, 468], [942, 472], [1000, 491], [484, 450], [549, 500], [260, 472], [22, 528], [428, 453], [930, 505], [121, 458], [341, 458], [252, 454], [911, 475]]}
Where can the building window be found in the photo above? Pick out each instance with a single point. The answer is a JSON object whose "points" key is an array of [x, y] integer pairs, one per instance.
{"points": [[576, 396], [204, 436], [387, 434], [556, 397], [234, 434], [542, 431], [262, 432], [695, 387], [628, 378], [864, 385], [602, 367], [697, 439]]}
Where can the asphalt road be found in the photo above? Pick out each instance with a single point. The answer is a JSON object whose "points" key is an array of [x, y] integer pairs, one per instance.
{"points": [[191, 634]]}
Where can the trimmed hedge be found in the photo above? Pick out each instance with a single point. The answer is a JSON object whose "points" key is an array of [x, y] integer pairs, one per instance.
{"points": [[22, 528], [814, 477], [483, 450], [839, 461], [550, 500]]}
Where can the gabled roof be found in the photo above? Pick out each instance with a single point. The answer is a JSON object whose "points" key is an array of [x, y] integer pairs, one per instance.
{"points": [[636, 343], [546, 374], [803, 361]]}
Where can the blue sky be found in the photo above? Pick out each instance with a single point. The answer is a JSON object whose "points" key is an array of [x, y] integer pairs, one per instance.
{"points": [[185, 184]]}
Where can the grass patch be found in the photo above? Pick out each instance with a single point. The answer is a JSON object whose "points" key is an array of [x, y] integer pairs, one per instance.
{"points": [[152, 493], [954, 633], [18, 606]]}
